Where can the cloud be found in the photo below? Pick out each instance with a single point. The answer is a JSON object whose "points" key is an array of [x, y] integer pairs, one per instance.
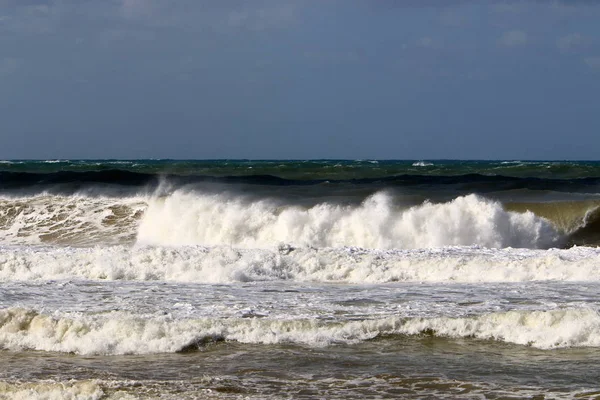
{"points": [[198, 14], [332, 57], [426, 42], [593, 62], [513, 38], [569, 42], [9, 65], [29, 18], [452, 18], [134, 8], [46, 16], [110, 36], [261, 18], [509, 7]]}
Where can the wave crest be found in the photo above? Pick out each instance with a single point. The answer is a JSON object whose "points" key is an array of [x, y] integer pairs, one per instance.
{"points": [[122, 333], [188, 218]]}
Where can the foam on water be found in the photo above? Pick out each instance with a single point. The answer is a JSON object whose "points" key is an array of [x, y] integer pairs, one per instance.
{"points": [[71, 220], [50, 390], [222, 264], [111, 389], [187, 218], [122, 333]]}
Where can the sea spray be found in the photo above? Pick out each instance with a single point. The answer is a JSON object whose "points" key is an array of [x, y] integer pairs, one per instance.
{"points": [[188, 218]]}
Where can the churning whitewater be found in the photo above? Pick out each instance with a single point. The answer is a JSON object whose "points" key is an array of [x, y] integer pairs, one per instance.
{"points": [[190, 218], [187, 219], [122, 333], [233, 269]]}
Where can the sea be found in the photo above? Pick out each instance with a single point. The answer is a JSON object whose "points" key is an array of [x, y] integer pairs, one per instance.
{"points": [[316, 279]]}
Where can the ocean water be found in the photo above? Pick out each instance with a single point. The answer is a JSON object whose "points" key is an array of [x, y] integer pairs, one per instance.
{"points": [[236, 279]]}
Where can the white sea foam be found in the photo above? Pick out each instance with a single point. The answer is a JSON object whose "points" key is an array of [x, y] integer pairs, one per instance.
{"points": [[195, 218], [111, 389], [422, 164], [50, 390], [541, 329], [122, 333], [187, 218], [223, 264], [73, 220]]}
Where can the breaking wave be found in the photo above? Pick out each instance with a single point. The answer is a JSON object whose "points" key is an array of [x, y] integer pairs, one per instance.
{"points": [[77, 220], [123, 333], [223, 264], [188, 218], [213, 217]]}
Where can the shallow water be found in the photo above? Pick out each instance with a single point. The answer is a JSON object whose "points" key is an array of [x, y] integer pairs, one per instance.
{"points": [[407, 367]]}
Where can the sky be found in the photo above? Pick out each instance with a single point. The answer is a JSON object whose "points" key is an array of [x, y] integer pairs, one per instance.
{"points": [[302, 79]]}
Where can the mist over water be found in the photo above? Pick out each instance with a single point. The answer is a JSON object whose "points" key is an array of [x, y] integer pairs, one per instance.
{"points": [[190, 218]]}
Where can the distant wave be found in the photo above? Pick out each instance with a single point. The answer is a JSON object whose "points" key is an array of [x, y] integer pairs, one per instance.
{"points": [[70, 181], [422, 164]]}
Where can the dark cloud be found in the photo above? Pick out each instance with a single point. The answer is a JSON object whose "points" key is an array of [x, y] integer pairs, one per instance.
{"points": [[454, 3]]}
